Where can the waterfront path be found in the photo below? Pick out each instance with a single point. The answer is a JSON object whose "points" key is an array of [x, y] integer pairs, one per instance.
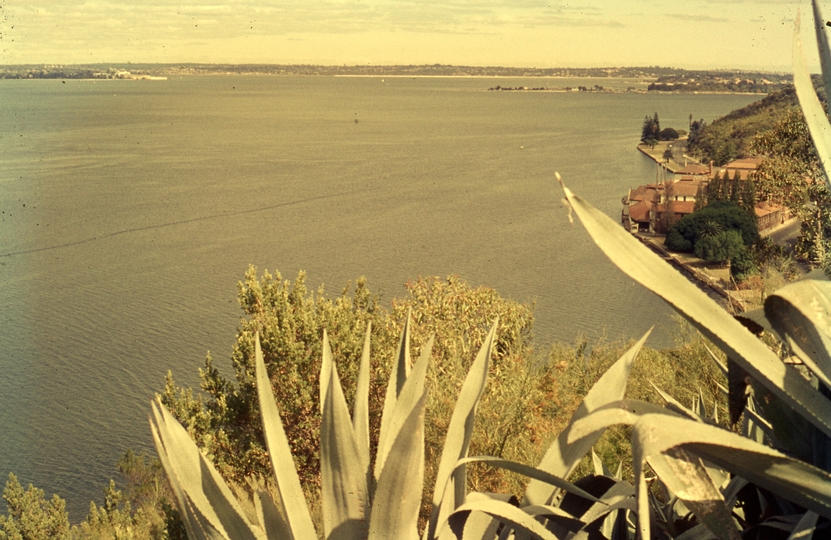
{"points": [[679, 158]]}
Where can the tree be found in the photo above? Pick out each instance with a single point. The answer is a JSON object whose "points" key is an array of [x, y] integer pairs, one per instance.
{"points": [[668, 154], [686, 232], [651, 128], [668, 134], [736, 187], [31, 516], [719, 248]]}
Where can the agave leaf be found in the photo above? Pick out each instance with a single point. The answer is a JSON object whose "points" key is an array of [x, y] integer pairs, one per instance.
{"points": [[342, 472], [794, 480], [625, 411], [360, 418], [562, 457], [516, 519], [188, 517], [686, 476], [699, 532], [619, 496], [645, 267], [731, 491], [757, 322], [815, 117], [613, 517], [184, 460], [805, 528], [226, 505], [398, 493], [479, 525], [755, 427], [407, 400], [398, 376], [459, 433], [285, 475], [269, 511], [675, 405], [599, 467], [801, 311], [824, 49], [530, 472]]}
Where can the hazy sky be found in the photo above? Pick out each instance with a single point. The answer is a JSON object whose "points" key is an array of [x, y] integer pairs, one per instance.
{"points": [[542, 33]]}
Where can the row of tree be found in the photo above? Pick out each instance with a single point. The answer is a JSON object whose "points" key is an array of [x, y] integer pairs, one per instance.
{"points": [[724, 188]]}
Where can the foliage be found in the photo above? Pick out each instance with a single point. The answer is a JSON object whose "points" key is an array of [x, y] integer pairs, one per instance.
{"points": [[669, 134], [731, 136], [225, 422], [31, 516], [145, 511], [727, 215], [739, 469], [651, 129], [719, 248]]}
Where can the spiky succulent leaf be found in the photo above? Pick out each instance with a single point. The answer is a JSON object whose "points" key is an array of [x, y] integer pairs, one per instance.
{"points": [[520, 520], [342, 472], [287, 483], [459, 433], [687, 478], [398, 376], [645, 267], [801, 312], [824, 49], [214, 509], [398, 493], [360, 416], [795, 480], [562, 457], [189, 517], [529, 472], [815, 116], [407, 400], [805, 528]]}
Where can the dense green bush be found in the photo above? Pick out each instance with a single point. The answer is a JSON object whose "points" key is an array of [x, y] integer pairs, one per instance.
{"points": [[728, 215], [31, 516]]}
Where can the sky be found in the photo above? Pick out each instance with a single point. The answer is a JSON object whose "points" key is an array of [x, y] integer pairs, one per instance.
{"points": [[692, 34]]}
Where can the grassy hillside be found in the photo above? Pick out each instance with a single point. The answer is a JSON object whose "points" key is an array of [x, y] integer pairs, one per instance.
{"points": [[729, 137]]}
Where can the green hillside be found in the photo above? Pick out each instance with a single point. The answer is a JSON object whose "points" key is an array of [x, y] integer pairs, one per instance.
{"points": [[730, 136]]}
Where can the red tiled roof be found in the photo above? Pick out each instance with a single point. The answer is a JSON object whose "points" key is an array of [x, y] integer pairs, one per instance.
{"points": [[685, 189], [694, 169], [751, 163], [640, 211], [678, 207]]}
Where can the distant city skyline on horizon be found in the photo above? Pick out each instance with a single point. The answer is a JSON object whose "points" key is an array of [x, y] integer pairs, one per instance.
{"points": [[695, 35]]}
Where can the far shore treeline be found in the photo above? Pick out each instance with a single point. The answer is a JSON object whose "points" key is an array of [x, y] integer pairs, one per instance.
{"points": [[662, 79]]}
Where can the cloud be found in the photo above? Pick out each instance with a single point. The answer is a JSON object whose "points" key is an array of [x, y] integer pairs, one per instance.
{"points": [[698, 18]]}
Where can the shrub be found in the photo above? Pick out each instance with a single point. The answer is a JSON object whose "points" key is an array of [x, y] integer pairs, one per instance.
{"points": [[31, 516], [668, 134], [726, 214]]}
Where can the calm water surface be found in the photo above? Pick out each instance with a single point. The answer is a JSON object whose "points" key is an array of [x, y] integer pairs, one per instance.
{"points": [[130, 209]]}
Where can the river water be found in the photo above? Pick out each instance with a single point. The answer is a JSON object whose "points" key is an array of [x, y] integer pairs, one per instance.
{"points": [[130, 209]]}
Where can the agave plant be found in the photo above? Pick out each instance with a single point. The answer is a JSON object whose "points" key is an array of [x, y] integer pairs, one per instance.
{"points": [[706, 481], [776, 473], [381, 501]]}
